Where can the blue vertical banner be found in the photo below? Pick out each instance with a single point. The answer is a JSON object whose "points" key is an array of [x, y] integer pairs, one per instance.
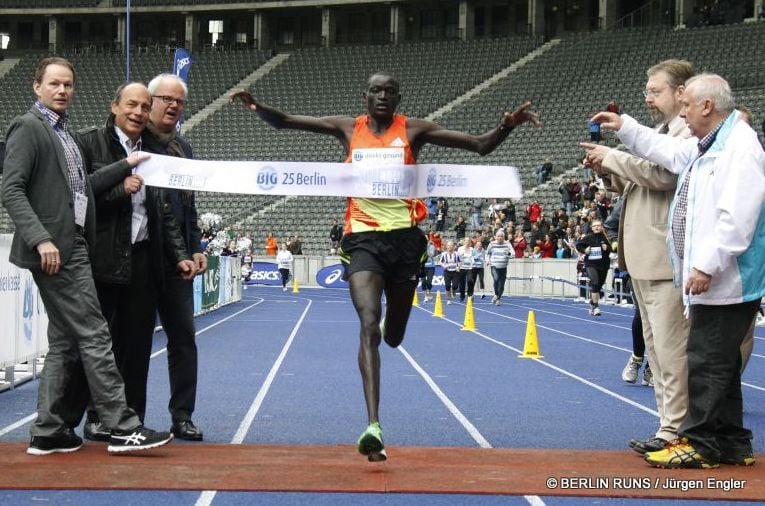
{"points": [[181, 66]]}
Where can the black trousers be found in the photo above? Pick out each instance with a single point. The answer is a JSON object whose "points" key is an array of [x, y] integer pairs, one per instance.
{"points": [[130, 310], [427, 279], [714, 422], [466, 282], [285, 273], [176, 312]]}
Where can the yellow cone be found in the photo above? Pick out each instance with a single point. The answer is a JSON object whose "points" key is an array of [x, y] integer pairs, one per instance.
{"points": [[530, 345], [438, 309], [295, 288], [469, 323], [415, 300]]}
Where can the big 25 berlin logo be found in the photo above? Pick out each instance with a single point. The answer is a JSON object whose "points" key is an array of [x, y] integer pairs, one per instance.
{"points": [[432, 178], [267, 178]]}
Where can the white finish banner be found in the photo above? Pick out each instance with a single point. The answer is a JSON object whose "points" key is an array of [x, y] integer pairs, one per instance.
{"points": [[331, 179]]}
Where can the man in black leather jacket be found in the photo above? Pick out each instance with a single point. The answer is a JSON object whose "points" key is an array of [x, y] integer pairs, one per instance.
{"points": [[134, 227], [176, 299]]}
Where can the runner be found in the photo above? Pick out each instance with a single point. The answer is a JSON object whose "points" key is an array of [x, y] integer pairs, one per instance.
{"points": [[382, 247]]}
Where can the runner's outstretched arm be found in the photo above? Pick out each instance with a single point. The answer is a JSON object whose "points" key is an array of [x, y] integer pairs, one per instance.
{"points": [[424, 132]]}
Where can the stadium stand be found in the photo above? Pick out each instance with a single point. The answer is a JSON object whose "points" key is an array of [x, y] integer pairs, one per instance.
{"points": [[580, 75], [46, 4], [329, 81], [147, 3], [599, 67]]}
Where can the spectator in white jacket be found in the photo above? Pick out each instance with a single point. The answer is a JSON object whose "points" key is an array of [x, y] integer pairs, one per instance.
{"points": [[284, 260]]}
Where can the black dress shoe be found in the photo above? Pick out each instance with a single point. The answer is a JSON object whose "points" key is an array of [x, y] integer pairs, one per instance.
{"points": [[185, 429], [96, 431], [653, 444]]}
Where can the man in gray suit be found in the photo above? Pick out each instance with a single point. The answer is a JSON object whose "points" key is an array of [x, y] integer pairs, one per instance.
{"points": [[647, 190], [50, 200]]}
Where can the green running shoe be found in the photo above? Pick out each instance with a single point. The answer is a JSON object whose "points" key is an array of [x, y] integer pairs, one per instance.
{"points": [[371, 443]]}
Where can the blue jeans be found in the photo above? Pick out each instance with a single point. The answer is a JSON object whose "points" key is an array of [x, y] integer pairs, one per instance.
{"points": [[475, 220], [500, 275]]}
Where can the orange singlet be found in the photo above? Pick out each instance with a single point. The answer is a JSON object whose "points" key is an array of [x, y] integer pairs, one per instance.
{"points": [[363, 214]]}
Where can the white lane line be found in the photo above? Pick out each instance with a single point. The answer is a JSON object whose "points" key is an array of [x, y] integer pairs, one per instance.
{"points": [[456, 413], [534, 500], [755, 387], [31, 418], [562, 371], [17, 424], [469, 427], [163, 350], [749, 385], [207, 496], [578, 318], [248, 419], [628, 313], [568, 334]]}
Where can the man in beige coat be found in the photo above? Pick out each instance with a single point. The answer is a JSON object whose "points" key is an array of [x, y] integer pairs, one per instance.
{"points": [[647, 190]]}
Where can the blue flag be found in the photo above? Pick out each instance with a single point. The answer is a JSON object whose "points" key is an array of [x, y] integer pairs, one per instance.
{"points": [[181, 66]]}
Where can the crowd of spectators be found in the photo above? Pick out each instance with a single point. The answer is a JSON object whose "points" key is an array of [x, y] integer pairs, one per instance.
{"points": [[534, 232], [228, 242]]}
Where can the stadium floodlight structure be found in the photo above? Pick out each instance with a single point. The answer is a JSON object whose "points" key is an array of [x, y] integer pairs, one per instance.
{"points": [[127, 41]]}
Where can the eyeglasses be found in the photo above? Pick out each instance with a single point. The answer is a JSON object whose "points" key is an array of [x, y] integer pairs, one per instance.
{"points": [[653, 92], [169, 100]]}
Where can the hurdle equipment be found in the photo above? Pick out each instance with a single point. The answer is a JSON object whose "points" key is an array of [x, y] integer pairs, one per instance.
{"points": [[469, 322], [531, 345], [415, 300], [438, 309], [295, 288]]}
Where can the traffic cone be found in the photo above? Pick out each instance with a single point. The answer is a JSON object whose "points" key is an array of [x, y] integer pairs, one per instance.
{"points": [[415, 300], [438, 309], [469, 323], [295, 288], [530, 345]]}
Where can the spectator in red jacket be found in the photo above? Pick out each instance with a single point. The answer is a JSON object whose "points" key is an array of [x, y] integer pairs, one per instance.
{"points": [[519, 244], [534, 211], [547, 247]]}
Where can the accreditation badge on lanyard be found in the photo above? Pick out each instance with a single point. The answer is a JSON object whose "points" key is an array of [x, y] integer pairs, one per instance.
{"points": [[80, 208]]}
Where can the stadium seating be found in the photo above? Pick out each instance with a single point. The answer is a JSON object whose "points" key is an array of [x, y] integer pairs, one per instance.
{"points": [[46, 4], [329, 81], [568, 82], [144, 3]]}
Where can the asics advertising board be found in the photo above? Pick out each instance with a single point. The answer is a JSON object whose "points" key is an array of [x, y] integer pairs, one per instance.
{"points": [[265, 273], [331, 277]]}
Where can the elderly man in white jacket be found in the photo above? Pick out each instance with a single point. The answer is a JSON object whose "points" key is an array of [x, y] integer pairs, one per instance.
{"points": [[717, 245]]}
